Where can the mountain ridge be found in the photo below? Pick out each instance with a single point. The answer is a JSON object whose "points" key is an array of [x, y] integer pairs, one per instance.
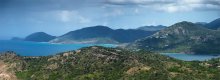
{"points": [[184, 37], [102, 32]]}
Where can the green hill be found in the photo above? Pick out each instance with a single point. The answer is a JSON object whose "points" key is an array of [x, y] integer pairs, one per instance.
{"points": [[99, 63]]}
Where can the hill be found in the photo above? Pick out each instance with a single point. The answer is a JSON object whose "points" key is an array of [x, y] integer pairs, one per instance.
{"points": [[184, 37], [99, 63], [39, 37], [103, 34], [214, 24]]}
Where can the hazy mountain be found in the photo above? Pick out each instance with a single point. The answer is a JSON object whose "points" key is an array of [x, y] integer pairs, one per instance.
{"points": [[182, 37], [202, 24], [214, 24], [39, 37], [99, 63], [152, 28], [103, 33]]}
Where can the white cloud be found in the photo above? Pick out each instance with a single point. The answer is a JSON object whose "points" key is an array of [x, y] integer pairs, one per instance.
{"points": [[114, 12], [83, 19], [136, 11], [72, 16], [65, 15], [172, 8]]}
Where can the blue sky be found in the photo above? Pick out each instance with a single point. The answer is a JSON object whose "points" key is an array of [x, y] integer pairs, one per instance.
{"points": [[23, 17]]}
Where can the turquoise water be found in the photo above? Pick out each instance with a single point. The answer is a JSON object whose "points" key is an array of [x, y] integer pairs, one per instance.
{"points": [[190, 57], [25, 48]]}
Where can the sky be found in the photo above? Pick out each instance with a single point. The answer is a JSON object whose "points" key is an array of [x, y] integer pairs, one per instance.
{"points": [[19, 18]]}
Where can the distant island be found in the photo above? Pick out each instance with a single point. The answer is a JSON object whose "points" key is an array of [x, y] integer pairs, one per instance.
{"points": [[95, 34]]}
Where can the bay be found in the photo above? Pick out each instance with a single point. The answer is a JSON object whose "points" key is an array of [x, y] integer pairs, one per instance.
{"points": [[26, 48]]}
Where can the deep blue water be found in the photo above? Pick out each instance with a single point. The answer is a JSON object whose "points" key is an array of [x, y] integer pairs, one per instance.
{"points": [[25, 48], [190, 57]]}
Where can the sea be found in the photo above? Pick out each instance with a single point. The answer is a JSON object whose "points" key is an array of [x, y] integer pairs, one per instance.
{"points": [[26, 48]]}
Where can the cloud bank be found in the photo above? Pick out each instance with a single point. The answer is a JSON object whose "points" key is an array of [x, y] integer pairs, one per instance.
{"points": [[170, 5]]}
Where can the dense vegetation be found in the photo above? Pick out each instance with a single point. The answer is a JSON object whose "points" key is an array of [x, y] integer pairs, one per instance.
{"points": [[99, 63], [182, 37]]}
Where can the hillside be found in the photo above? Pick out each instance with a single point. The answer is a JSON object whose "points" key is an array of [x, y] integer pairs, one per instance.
{"points": [[184, 37], [99, 63], [39, 37], [103, 34]]}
